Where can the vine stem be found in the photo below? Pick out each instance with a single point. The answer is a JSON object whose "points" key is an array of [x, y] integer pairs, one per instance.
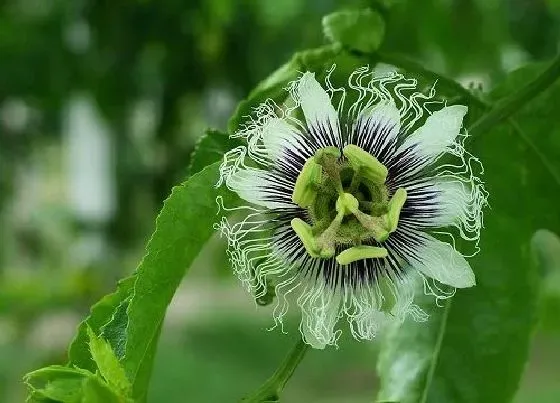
{"points": [[510, 104], [271, 389]]}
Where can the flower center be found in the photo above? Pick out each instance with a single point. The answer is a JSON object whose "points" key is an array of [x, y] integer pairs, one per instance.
{"points": [[348, 202]]}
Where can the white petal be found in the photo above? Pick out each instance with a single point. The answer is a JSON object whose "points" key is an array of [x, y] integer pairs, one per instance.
{"points": [[261, 187], [384, 121], [318, 110], [278, 135], [440, 261], [320, 311], [437, 134]]}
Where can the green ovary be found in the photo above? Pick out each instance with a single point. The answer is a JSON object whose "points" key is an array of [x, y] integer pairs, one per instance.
{"points": [[348, 202]]}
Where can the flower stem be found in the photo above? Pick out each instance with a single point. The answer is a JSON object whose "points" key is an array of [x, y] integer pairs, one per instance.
{"points": [[508, 105], [271, 389]]}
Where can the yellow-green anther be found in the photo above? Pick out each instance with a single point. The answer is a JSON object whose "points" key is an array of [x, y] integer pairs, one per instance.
{"points": [[305, 189], [395, 206], [347, 204], [303, 231], [360, 252], [365, 163]]}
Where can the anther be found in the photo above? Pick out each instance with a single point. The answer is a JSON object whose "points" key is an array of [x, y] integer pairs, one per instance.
{"points": [[366, 164], [303, 231], [395, 206], [305, 189], [359, 253]]}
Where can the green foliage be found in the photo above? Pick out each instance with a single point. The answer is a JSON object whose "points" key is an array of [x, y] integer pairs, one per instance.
{"points": [[474, 347], [361, 30], [102, 313], [486, 330], [182, 228], [274, 87], [210, 148], [75, 385], [108, 364]]}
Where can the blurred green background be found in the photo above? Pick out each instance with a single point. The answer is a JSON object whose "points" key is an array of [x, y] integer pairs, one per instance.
{"points": [[101, 104]]}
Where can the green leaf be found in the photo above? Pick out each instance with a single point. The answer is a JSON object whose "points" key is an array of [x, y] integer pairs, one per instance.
{"points": [[182, 228], [361, 30], [274, 87], [130, 319], [103, 313], [211, 148], [57, 383], [96, 391], [109, 366], [69, 385], [545, 245], [485, 332]]}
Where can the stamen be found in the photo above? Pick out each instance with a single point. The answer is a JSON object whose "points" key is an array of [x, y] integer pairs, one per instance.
{"points": [[305, 189], [315, 185], [303, 231], [395, 206], [360, 252], [366, 163], [328, 158]]}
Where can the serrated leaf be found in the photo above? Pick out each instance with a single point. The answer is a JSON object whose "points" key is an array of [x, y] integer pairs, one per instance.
{"points": [[182, 228], [108, 364], [97, 391], [486, 330], [211, 148], [361, 30], [56, 383], [102, 313], [60, 384]]}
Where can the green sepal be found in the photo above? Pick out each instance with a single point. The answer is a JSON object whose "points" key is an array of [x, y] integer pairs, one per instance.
{"points": [[360, 252]]}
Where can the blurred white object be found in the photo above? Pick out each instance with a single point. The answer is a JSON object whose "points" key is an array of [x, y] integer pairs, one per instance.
{"points": [[90, 162]]}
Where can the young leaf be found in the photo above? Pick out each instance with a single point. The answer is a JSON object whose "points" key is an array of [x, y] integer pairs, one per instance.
{"points": [[101, 314], [486, 330], [56, 383], [108, 364], [60, 384], [183, 226], [94, 390], [361, 30]]}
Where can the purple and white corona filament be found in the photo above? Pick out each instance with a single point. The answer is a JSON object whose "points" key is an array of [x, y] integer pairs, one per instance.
{"points": [[349, 191]]}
